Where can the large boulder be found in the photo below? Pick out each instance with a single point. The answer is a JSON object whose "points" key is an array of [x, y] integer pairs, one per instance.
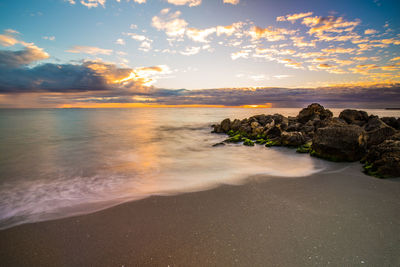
{"points": [[235, 125], [339, 143], [312, 112], [274, 132], [292, 139], [392, 122], [226, 125], [217, 128], [352, 116], [383, 160], [377, 131]]}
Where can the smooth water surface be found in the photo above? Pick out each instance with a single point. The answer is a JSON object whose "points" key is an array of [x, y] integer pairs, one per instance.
{"points": [[61, 162]]}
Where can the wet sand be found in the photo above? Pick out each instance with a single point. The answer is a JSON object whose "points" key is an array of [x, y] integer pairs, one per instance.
{"points": [[337, 219]]}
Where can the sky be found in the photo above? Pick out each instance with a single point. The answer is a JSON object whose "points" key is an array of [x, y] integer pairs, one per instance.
{"points": [[135, 53]]}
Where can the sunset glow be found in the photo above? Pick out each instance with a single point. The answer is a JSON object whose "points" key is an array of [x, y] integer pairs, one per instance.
{"points": [[167, 53]]}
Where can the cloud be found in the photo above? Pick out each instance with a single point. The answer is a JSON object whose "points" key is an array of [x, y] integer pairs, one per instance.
{"points": [[93, 3], [325, 66], [232, 2], [185, 2], [10, 38], [50, 38], [270, 33], [291, 63], [26, 56], [200, 35], [120, 41], [16, 77], [189, 51], [170, 23], [319, 25], [337, 50], [240, 54], [91, 50], [370, 31], [146, 42], [293, 17], [299, 42], [345, 95], [395, 59]]}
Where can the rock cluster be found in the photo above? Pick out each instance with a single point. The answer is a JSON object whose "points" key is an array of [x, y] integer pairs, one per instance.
{"points": [[353, 136]]}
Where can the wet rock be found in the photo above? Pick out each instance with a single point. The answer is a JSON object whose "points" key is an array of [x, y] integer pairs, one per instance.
{"points": [[234, 139], [245, 129], [274, 132], [377, 131], [262, 119], [254, 124], [383, 160], [258, 131], [235, 125], [273, 142], [352, 116], [392, 122], [306, 148], [217, 128], [248, 142], [218, 144], [292, 139], [293, 127], [339, 143], [312, 111], [226, 125]]}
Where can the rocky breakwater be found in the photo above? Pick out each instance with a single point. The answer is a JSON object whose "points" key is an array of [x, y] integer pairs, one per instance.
{"points": [[353, 136]]}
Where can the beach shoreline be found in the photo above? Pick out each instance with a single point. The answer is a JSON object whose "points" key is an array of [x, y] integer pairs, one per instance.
{"points": [[337, 218]]}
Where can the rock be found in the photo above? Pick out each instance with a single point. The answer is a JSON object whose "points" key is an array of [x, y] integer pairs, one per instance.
{"points": [[328, 122], [306, 148], [261, 119], [294, 127], [217, 128], [235, 125], [234, 139], [274, 132], [377, 131], [352, 116], [292, 139], [245, 129], [383, 160], [226, 125], [258, 131], [312, 111], [254, 124], [392, 122], [339, 143], [218, 144], [273, 142], [248, 142]]}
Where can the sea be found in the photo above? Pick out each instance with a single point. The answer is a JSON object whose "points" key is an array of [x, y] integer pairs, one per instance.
{"points": [[57, 163]]}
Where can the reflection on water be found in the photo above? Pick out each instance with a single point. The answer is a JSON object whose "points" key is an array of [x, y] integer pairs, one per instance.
{"points": [[57, 163]]}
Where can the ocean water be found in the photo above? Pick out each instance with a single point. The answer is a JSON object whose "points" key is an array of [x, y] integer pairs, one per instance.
{"points": [[57, 163]]}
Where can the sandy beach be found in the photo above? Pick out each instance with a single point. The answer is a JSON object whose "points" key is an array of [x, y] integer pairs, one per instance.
{"points": [[341, 219]]}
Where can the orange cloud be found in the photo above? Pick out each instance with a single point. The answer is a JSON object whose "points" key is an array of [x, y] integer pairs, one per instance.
{"points": [[270, 33], [293, 17], [91, 50], [232, 2]]}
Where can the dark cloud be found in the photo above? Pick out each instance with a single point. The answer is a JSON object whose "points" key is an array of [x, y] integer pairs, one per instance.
{"points": [[99, 82], [51, 78], [12, 59]]}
